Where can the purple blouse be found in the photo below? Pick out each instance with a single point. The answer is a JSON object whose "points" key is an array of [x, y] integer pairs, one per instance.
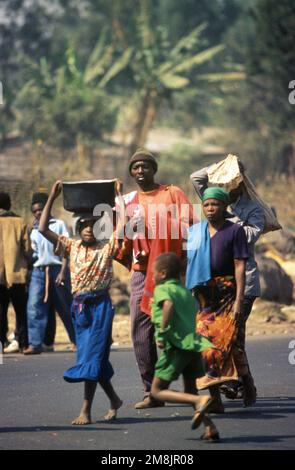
{"points": [[228, 243]]}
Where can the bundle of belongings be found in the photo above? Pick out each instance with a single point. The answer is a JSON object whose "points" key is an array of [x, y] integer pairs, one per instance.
{"points": [[228, 173]]}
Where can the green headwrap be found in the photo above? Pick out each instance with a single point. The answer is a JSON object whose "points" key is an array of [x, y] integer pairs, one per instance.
{"points": [[216, 193]]}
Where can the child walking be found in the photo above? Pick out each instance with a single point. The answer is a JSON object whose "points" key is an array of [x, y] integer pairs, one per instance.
{"points": [[90, 263], [174, 316]]}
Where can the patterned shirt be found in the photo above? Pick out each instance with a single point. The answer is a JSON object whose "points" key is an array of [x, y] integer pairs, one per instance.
{"points": [[91, 267]]}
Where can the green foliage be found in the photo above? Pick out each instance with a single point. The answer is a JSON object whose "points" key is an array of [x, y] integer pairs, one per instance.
{"points": [[25, 31], [157, 65], [59, 109], [174, 160], [68, 67], [257, 116]]}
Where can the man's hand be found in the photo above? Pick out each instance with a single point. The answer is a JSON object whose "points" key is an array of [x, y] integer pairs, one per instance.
{"points": [[141, 257], [118, 187], [56, 189]]}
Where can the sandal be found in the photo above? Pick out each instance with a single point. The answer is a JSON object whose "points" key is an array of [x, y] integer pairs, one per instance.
{"points": [[230, 390], [198, 416]]}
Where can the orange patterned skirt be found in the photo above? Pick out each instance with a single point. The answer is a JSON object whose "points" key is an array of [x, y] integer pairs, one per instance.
{"points": [[216, 322]]}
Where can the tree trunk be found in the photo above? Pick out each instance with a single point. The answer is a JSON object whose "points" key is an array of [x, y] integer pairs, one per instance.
{"points": [[83, 158], [146, 117], [287, 165]]}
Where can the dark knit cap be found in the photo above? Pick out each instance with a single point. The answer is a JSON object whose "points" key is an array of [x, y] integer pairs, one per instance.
{"points": [[39, 198], [142, 155], [5, 202]]}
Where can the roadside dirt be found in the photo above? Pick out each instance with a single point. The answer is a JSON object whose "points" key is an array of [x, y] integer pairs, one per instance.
{"points": [[267, 318]]}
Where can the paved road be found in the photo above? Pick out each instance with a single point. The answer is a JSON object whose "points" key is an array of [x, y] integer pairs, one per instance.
{"points": [[36, 407]]}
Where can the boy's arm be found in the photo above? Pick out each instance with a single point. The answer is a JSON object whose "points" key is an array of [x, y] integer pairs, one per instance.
{"points": [[167, 310], [44, 220], [61, 277]]}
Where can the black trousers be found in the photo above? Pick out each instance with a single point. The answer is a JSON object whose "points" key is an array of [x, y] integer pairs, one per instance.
{"points": [[240, 355], [17, 295], [50, 328]]}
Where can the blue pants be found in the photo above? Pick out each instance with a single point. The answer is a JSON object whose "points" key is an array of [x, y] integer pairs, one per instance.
{"points": [[59, 298]]}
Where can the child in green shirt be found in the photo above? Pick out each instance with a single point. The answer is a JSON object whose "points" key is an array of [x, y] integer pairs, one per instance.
{"points": [[174, 316]]}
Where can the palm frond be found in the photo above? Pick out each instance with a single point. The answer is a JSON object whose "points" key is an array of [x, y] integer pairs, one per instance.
{"points": [[143, 27], [197, 59], [117, 67], [174, 82], [98, 50], [94, 70], [223, 77], [188, 41], [46, 76]]}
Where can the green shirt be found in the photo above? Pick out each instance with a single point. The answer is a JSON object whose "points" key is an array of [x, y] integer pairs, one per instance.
{"points": [[181, 332]]}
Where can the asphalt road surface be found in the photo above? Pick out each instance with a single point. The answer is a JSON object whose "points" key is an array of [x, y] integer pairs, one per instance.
{"points": [[37, 406]]}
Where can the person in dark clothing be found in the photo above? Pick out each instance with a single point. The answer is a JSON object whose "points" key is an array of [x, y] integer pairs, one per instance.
{"points": [[14, 256]]}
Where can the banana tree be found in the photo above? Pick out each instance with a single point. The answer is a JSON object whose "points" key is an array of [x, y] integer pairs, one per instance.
{"points": [[159, 69], [71, 105]]}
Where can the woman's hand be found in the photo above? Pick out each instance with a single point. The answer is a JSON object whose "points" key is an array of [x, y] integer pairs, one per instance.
{"points": [[56, 189], [238, 310]]}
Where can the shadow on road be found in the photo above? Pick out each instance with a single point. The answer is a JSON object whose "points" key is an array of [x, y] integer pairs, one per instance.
{"points": [[152, 419], [56, 428], [266, 408], [250, 439]]}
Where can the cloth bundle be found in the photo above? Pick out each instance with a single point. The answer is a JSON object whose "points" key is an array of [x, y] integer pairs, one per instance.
{"points": [[227, 173]]}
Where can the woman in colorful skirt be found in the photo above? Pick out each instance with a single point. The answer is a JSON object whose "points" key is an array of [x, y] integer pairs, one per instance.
{"points": [[91, 268], [217, 255]]}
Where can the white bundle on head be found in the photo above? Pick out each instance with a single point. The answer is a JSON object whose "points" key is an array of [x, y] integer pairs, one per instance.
{"points": [[226, 173]]}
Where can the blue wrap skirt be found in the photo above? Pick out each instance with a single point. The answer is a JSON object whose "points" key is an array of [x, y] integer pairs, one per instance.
{"points": [[92, 314]]}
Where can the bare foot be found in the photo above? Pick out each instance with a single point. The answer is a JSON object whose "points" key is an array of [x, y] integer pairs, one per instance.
{"points": [[211, 434], [112, 413], [202, 405], [201, 401], [82, 419]]}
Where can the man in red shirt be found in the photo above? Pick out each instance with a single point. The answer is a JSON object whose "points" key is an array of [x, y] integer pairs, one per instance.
{"points": [[160, 213]]}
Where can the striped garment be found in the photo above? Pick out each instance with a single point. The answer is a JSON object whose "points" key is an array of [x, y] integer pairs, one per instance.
{"points": [[142, 332]]}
